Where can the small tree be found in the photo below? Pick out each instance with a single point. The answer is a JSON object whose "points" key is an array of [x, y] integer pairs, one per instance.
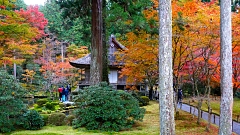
{"points": [[103, 108], [11, 104]]}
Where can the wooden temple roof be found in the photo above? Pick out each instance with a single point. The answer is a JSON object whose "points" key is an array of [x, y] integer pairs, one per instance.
{"points": [[84, 62]]}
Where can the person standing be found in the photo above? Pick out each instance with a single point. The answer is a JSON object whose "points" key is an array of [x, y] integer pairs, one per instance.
{"points": [[63, 94], [180, 95], [60, 93], [66, 93], [69, 90]]}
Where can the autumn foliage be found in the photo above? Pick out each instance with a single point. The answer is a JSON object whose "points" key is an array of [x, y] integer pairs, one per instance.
{"points": [[35, 18], [195, 40], [16, 36]]}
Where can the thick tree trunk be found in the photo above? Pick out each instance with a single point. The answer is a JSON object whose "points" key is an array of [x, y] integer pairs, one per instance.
{"points": [[166, 105], [96, 47], [226, 69], [105, 46]]}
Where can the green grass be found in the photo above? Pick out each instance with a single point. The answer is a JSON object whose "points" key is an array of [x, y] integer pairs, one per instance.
{"points": [[58, 130], [185, 125]]}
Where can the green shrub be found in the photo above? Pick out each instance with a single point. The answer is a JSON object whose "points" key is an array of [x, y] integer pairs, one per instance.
{"points": [[69, 119], [45, 118], [32, 120], [55, 103], [103, 108], [11, 102], [237, 94], [56, 119], [49, 106], [145, 99], [39, 110], [41, 102], [36, 106], [138, 96], [61, 105]]}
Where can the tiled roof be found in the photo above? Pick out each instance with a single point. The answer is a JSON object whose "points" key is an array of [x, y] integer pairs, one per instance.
{"points": [[84, 62]]}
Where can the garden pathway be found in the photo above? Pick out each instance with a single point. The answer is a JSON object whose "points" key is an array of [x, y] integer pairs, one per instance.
{"points": [[185, 107]]}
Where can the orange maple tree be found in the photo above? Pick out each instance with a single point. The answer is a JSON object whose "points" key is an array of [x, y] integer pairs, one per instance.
{"points": [[236, 51], [141, 56], [15, 36]]}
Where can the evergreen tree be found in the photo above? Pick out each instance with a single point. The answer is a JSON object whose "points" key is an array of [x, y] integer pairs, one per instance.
{"points": [[20, 4], [68, 29], [11, 104]]}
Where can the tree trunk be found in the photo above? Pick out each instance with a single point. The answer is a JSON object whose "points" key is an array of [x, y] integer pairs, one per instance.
{"points": [[167, 122], [96, 46], [105, 47], [199, 106], [225, 127], [150, 93], [208, 88], [14, 66]]}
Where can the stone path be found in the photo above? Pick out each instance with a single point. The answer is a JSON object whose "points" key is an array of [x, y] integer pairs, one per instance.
{"points": [[68, 103], [185, 107]]}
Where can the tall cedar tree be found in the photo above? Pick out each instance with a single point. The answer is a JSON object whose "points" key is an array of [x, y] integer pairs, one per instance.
{"points": [[96, 63], [167, 122], [83, 8], [226, 69]]}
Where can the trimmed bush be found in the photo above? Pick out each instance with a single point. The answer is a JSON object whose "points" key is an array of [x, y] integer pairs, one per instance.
{"points": [[56, 119], [50, 106], [103, 108], [39, 110], [61, 105], [145, 99], [41, 102], [138, 96], [45, 118], [32, 120], [55, 103], [69, 119]]}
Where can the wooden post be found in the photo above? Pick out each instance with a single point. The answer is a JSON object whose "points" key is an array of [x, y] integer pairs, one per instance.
{"points": [[214, 118]]}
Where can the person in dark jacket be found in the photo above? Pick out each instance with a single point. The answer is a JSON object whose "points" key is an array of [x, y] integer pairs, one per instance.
{"points": [[66, 92], [69, 91], [63, 94], [180, 95]]}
